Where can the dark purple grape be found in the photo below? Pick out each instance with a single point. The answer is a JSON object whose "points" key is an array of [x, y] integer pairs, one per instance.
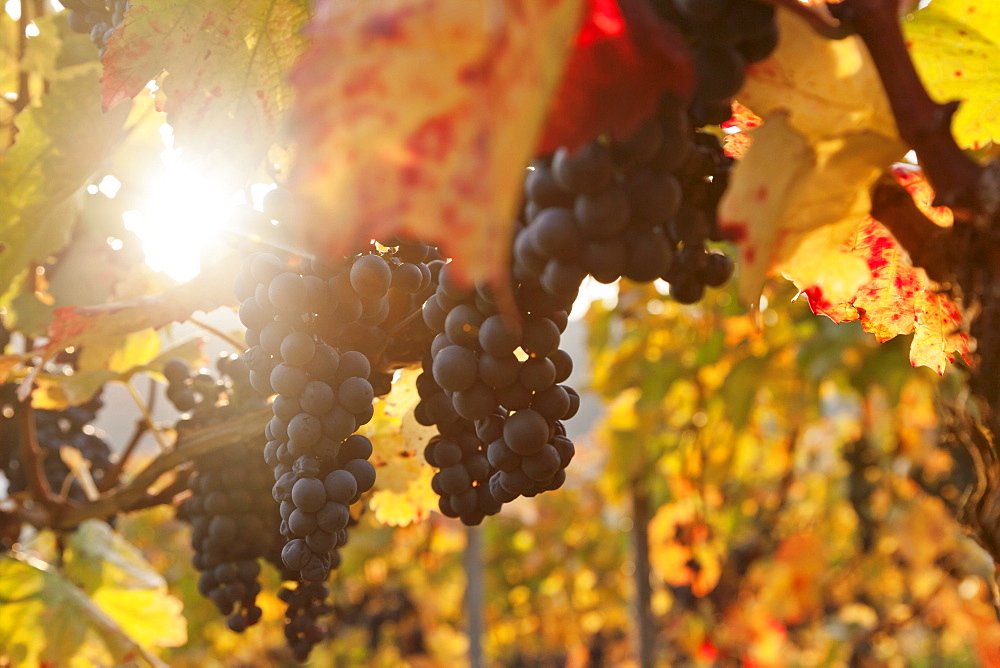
{"points": [[554, 232], [305, 428], [356, 446], [604, 215], [588, 170], [287, 292], [355, 395], [364, 474], [317, 398], [308, 494], [526, 431], [455, 368], [371, 276], [542, 465], [297, 349], [341, 486], [462, 325], [333, 517], [287, 379]]}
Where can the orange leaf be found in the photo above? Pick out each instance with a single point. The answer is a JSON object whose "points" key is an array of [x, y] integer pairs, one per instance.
{"points": [[886, 302], [937, 336], [738, 141], [899, 298], [912, 178], [418, 118]]}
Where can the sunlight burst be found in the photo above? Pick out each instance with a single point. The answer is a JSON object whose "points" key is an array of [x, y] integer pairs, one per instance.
{"points": [[182, 212]]}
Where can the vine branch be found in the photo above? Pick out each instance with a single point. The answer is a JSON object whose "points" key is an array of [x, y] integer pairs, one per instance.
{"points": [[237, 345], [33, 458], [923, 123], [135, 495]]}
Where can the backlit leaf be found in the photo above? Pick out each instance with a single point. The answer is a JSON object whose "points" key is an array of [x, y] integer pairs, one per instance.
{"points": [[45, 619], [955, 45], [59, 145], [225, 90], [78, 325], [124, 585], [402, 493], [802, 187], [899, 298], [418, 118]]}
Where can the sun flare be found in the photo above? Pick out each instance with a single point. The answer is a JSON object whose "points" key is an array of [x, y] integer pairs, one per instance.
{"points": [[182, 210]]}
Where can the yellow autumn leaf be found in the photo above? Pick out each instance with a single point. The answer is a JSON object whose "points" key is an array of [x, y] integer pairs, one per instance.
{"points": [[802, 186], [955, 45]]}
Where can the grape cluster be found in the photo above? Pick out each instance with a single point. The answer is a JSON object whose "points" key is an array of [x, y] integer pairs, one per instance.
{"points": [[315, 498], [231, 517], [493, 388], [642, 209], [323, 393], [54, 429], [306, 603], [201, 393], [462, 483], [97, 18], [726, 36]]}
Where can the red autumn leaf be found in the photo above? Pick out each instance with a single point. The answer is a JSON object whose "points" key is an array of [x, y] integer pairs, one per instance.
{"points": [[625, 59], [899, 298], [912, 178], [419, 118]]}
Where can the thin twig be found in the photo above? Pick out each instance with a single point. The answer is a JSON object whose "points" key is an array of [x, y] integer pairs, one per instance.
{"points": [[110, 478], [417, 312], [147, 416], [235, 343]]}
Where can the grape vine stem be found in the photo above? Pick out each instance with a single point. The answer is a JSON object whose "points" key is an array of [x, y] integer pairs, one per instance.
{"points": [[147, 416], [238, 345], [33, 459], [923, 123], [134, 494]]}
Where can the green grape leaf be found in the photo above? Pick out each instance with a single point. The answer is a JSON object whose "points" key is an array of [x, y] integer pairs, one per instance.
{"points": [[955, 45], [225, 61], [47, 619], [121, 581], [419, 118], [57, 391], [59, 145], [42, 52], [8, 55]]}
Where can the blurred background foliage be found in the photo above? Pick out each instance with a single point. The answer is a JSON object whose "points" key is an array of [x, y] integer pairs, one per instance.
{"points": [[788, 472]]}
